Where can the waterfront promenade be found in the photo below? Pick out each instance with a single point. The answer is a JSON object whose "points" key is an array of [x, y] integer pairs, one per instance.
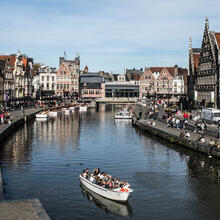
{"points": [[158, 127], [19, 209]]}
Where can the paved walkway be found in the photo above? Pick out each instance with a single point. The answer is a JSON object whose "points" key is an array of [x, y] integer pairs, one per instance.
{"points": [[29, 209], [18, 114], [193, 136]]}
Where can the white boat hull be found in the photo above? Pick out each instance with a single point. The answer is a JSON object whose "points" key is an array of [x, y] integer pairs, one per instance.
{"points": [[83, 108], [123, 117], [42, 115], [67, 111], [109, 194], [53, 114]]}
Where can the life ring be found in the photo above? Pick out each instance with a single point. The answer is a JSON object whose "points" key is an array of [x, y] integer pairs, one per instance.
{"points": [[123, 190]]}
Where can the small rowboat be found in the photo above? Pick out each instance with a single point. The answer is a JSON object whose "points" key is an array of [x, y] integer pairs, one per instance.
{"points": [[120, 196], [42, 115], [123, 115], [83, 108]]}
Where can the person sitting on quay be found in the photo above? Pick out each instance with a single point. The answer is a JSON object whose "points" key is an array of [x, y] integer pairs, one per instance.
{"points": [[187, 134], [182, 134], [200, 140]]}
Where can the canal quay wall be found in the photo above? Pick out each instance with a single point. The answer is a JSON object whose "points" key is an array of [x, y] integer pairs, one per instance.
{"points": [[172, 135], [19, 209]]}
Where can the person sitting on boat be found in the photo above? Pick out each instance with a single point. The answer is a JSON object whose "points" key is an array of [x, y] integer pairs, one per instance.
{"points": [[87, 173], [109, 184], [100, 175], [114, 182], [92, 179], [126, 185], [83, 174], [103, 184], [96, 171]]}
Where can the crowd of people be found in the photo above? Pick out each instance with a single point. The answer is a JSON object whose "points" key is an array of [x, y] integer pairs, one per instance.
{"points": [[5, 117], [105, 180]]}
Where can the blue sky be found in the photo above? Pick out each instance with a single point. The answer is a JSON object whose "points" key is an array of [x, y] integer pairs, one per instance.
{"points": [[108, 35]]}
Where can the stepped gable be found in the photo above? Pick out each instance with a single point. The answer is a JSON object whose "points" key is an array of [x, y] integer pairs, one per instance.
{"points": [[12, 58]]}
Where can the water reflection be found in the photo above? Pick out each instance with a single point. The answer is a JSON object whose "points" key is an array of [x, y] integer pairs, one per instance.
{"points": [[19, 146], [64, 130], [121, 209]]}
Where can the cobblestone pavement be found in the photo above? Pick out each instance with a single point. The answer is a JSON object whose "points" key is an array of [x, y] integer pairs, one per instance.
{"points": [[193, 136], [29, 209]]}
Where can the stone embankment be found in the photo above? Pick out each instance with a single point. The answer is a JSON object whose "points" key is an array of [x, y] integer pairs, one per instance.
{"points": [[159, 129], [19, 209]]}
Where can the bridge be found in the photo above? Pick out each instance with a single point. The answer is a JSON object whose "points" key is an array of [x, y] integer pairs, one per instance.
{"points": [[117, 100]]}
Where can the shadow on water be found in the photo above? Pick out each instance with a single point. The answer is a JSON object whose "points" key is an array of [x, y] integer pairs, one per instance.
{"points": [[121, 209], [199, 165]]}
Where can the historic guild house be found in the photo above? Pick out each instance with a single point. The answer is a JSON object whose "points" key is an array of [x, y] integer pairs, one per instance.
{"points": [[204, 70]]}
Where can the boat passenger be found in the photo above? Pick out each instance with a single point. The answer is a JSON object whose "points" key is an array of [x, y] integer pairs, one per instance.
{"points": [[87, 173], [92, 179], [100, 175], [83, 174]]}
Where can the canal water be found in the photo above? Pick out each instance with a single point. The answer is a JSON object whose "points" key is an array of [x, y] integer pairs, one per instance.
{"points": [[44, 159]]}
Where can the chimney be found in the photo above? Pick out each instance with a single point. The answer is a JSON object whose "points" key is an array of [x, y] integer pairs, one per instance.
{"points": [[61, 60], [176, 70]]}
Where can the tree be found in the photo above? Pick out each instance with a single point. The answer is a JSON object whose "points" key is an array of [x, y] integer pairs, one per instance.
{"points": [[36, 67]]}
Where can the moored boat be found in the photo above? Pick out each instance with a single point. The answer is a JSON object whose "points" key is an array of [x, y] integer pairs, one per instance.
{"points": [[120, 196], [83, 108], [67, 111], [72, 108], [42, 115], [124, 114], [53, 113]]}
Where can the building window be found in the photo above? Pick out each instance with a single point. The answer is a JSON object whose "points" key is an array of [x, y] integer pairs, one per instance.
{"points": [[57, 86], [85, 92], [42, 85], [53, 78], [47, 85], [91, 92], [64, 86], [47, 78], [97, 92], [42, 78], [67, 86], [61, 86], [146, 77], [52, 85]]}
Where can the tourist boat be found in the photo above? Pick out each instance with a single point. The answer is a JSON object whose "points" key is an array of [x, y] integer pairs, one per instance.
{"points": [[83, 108], [67, 111], [42, 115], [124, 114], [120, 196]]}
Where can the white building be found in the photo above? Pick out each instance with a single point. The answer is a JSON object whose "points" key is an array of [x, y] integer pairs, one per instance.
{"points": [[47, 80]]}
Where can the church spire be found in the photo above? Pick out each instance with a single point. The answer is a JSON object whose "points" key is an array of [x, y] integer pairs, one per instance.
{"points": [[190, 42], [206, 23]]}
